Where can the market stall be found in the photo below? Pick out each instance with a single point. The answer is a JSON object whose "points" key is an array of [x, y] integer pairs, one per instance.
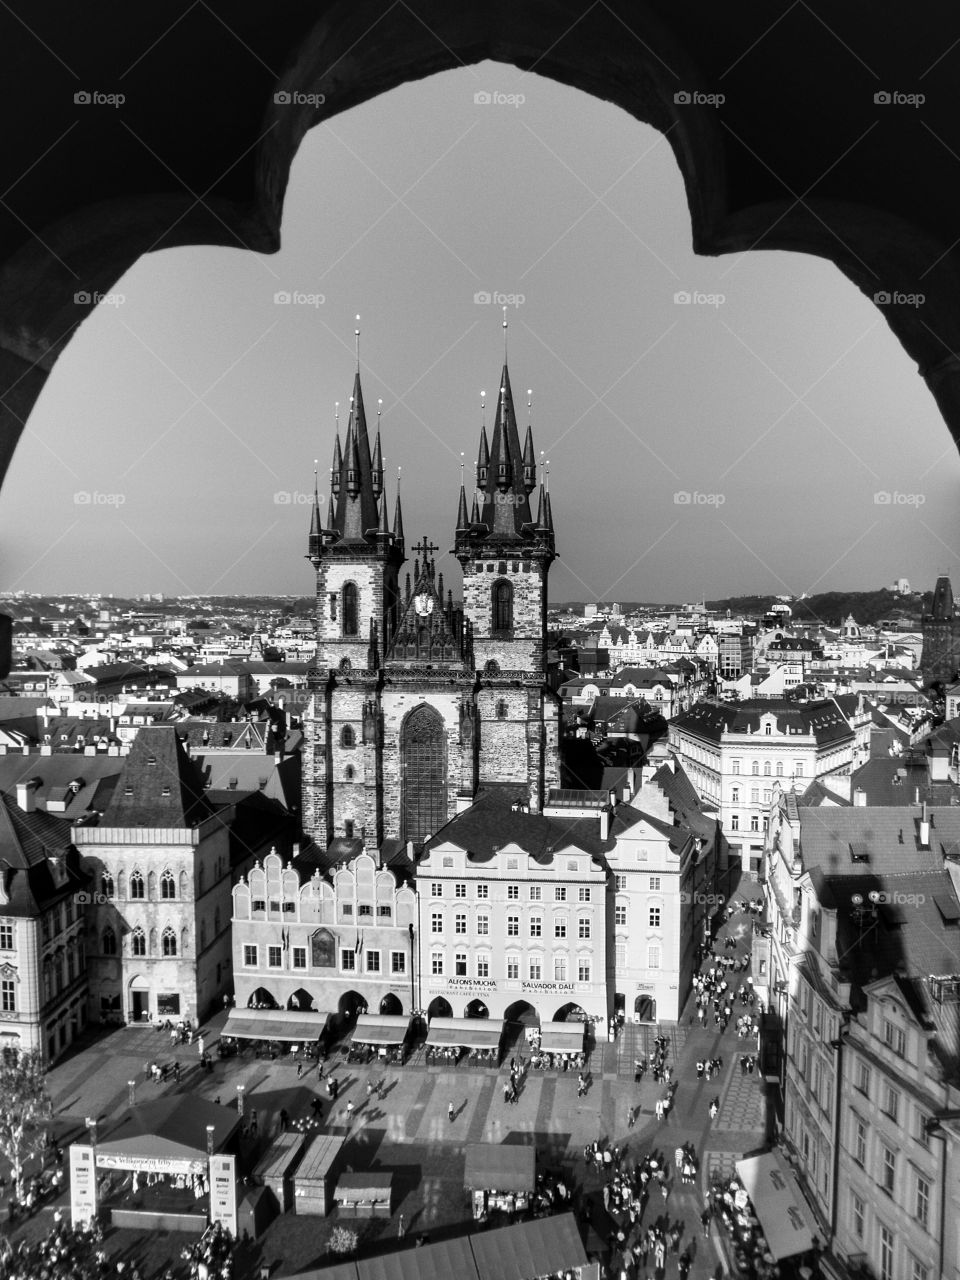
{"points": [[316, 1175], [765, 1212], [448, 1038], [499, 1177], [384, 1034], [364, 1195], [275, 1170], [151, 1167]]}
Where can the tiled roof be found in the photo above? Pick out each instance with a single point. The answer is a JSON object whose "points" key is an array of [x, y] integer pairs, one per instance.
{"points": [[28, 842], [97, 776], [159, 785], [490, 823], [893, 780], [823, 719], [889, 836]]}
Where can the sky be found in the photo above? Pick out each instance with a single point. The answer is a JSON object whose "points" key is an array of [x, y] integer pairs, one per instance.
{"points": [[768, 435]]}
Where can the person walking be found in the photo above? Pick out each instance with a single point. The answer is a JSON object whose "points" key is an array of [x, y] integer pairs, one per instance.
{"points": [[450, 1111], [714, 1108], [581, 1085], [349, 1113], [299, 1070]]}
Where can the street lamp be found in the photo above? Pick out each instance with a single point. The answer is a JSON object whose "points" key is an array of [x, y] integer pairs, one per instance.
{"points": [[240, 1100], [132, 1093], [210, 1132]]}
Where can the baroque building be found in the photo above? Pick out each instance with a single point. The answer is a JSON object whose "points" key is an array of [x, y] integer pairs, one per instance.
{"points": [[415, 700]]}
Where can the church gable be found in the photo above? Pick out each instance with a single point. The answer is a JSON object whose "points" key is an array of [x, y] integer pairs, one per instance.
{"points": [[427, 631]]}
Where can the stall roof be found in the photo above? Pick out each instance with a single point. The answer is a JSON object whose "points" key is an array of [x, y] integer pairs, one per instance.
{"points": [[439, 1261], [497, 1167], [320, 1156], [381, 1028], [772, 1187], [274, 1024], [353, 1187], [466, 1033], [562, 1037], [173, 1128], [279, 1157], [529, 1249]]}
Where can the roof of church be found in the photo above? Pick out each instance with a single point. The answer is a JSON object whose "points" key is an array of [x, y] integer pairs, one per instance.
{"points": [[159, 785], [492, 822]]}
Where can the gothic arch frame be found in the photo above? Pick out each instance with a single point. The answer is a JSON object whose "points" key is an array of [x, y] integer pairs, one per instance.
{"points": [[431, 812]]}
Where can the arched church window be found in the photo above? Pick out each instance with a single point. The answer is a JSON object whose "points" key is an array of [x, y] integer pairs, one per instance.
{"points": [[106, 885], [138, 942], [346, 666], [348, 773], [502, 602], [492, 668], [423, 791], [347, 737], [501, 710], [136, 885], [168, 886], [351, 619], [109, 943], [348, 828], [169, 942]]}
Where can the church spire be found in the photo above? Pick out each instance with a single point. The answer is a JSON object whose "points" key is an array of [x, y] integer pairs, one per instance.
{"points": [[398, 517], [377, 468], [314, 540], [337, 460], [358, 479], [529, 461]]}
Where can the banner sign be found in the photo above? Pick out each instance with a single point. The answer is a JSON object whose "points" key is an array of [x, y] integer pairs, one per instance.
{"points": [[223, 1192], [145, 1164], [83, 1185]]}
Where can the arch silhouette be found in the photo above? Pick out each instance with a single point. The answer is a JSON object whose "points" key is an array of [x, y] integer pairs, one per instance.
{"points": [[634, 60]]}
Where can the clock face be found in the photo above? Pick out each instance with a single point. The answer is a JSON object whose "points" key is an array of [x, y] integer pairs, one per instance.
{"points": [[423, 605]]}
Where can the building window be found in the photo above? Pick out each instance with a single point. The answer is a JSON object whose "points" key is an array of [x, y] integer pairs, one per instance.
{"points": [[502, 709], [923, 1202], [350, 620], [559, 928], [857, 1210], [6, 936], [536, 893], [620, 955], [654, 884], [735, 795], [168, 942], [106, 885], [138, 942], [136, 885], [583, 970], [460, 964], [436, 922], [346, 910], [436, 889], [299, 957], [536, 926], [754, 822], [513, 892], [888, 1175], [859, 1141], [583, 927], [483, 926], [168, 888], [373, 962], [348, 774], [347, 736], [779, 768], [275, 957], [384, 911], [755, 768], [654, 917], [886, 1254], [735, 822], [560, 893], [459, 890], [653, 957], [621, 882], [918, 1270], [766, 768], [513, 926], [436, 964], [501, 602], [348, 960], [894, 1038], [798, 768], [398, 962], [513, 967], [863, 1078], [735, 765], [8, 996], [109, 943], [583, 893], [892, 1103], [483, 891], [620, 913], [460, 922], [921, 1134], [535, 968], [560, 968]]}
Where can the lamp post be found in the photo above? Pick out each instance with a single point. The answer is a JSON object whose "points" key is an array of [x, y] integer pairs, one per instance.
{"points": [[240, 1088], [210, 1132], [132, 1093]]}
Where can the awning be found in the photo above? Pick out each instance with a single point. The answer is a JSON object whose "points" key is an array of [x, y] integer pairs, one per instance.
{"points": [[495, 1167], [168, 1135], [777, 1200], [380, 1028], [529, 1249], [562, 1037], [466, 1033], [435, 1261], [274, 1024]]}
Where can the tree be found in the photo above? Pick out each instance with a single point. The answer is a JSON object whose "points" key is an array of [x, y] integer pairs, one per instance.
{"points": [[343, 1240], [25, 1112]]}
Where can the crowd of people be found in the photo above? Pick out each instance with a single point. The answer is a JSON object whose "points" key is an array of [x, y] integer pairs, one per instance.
{"points": [[728, 1205], [211, 1257]]}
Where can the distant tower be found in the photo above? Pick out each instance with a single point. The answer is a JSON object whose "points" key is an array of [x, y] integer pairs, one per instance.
{"points": [[940, 659]]}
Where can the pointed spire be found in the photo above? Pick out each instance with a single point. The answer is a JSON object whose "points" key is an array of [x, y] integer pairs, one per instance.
{"points": [[463, 519], [337, 467], [542, 509], [529, 458], [483, 459], [503, 464], [383, 526], [398, 516], [376, 473], [353, 461]]}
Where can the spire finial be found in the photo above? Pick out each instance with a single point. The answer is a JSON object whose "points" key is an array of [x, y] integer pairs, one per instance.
{"points": [[483, 408], [399, 469], [546, 473], [336, 414], [461, 468], [504, 335], [379, 410], [356, 334]]}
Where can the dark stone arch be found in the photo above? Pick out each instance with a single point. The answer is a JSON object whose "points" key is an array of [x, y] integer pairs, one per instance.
{"points": [[423, 773], [522, 1011], [391, 1005], [439, 1008]]}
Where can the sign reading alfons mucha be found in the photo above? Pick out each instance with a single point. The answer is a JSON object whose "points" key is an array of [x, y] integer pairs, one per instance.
{"points": [[464, 984], [323, 950]]}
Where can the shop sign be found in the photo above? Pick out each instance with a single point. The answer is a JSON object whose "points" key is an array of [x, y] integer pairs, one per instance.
{"points": [[223, 1192], [546, 986], [145, 1164], [83, 1185]]}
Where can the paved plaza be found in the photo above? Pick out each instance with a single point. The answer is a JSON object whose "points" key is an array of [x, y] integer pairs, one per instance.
{"points": [[408, 1132]]}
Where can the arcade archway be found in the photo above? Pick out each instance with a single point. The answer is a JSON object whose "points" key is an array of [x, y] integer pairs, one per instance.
{"points": [[301, 999], [476, 1009], [439, 1008], [391, 1005], [645, 1009], [350, 1004], [523, 1012], [262, 999], [570, 1013]]}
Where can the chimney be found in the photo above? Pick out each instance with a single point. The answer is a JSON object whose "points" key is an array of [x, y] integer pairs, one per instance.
{"points": [[924, 827], [860, 798], [605, 824], [410, 850], [27, 795]]}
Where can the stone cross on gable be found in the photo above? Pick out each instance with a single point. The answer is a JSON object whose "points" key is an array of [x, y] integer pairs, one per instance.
{"points": [[424, 547]]}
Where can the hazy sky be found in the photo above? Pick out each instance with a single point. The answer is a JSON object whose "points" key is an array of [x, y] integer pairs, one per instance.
{"points": [[782, 410]]}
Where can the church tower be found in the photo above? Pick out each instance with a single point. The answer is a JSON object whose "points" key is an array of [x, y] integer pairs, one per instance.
{"points": [[357, 558], [505, 551], [940, 657]]}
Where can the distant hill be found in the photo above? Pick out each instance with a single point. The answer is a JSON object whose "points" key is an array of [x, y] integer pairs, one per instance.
{"points": [[832, 607]]}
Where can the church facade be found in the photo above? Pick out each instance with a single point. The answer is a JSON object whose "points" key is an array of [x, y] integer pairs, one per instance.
{"points": [[416, 701]]}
